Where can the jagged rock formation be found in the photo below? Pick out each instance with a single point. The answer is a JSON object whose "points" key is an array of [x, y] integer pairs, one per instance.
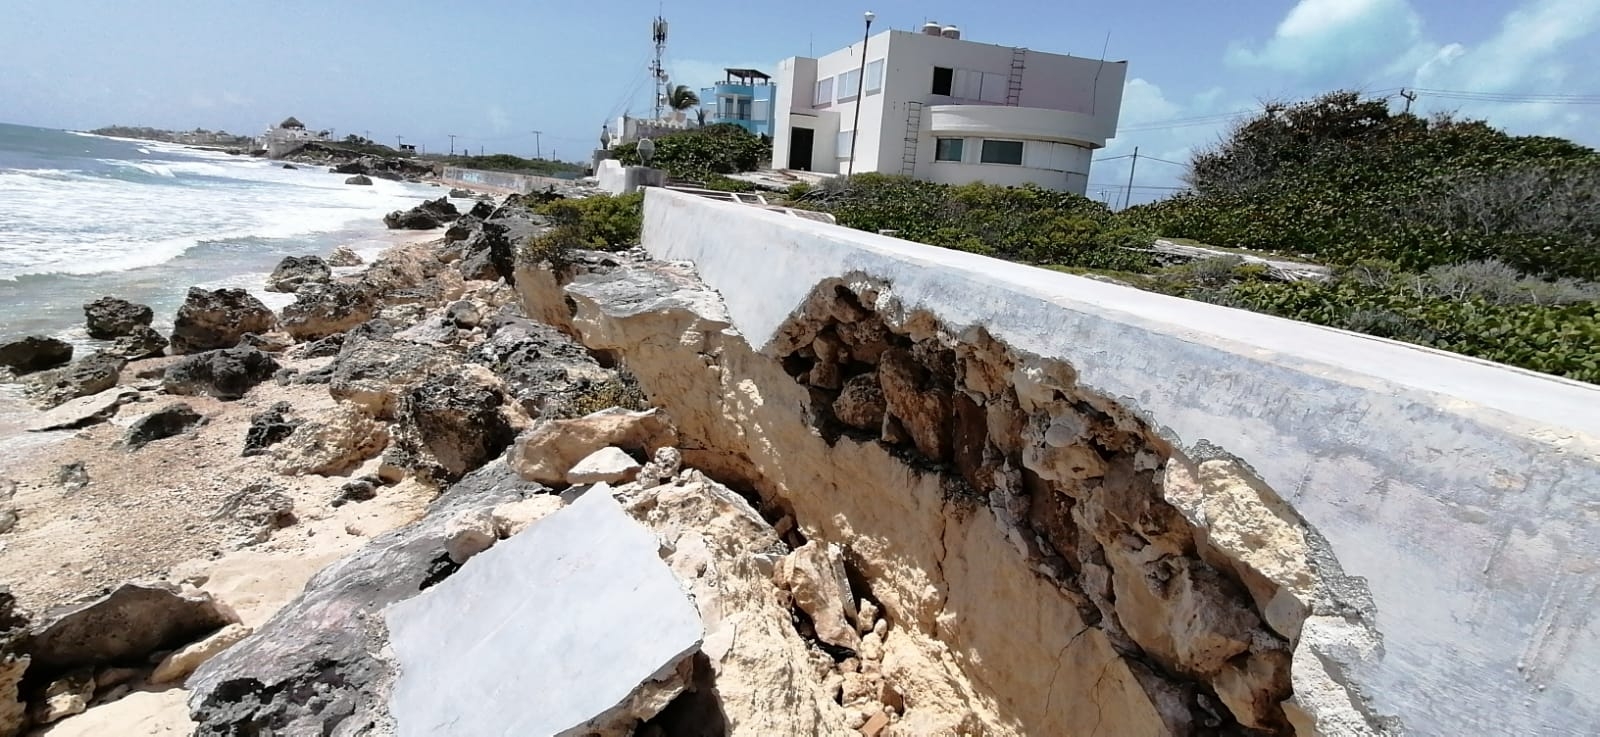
{"points": [[294, 272], [109, 317], [210, 320], [224, 374], [34, 353]]}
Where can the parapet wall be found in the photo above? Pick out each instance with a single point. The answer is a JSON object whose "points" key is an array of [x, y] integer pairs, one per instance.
{"points": [[498, 180], [1461, 493]]}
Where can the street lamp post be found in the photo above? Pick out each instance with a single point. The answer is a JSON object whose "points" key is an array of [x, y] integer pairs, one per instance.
{"points": [[861, 95]]}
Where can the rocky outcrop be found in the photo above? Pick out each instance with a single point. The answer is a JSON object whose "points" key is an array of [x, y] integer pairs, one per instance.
{"points": [[92, 374], [330, 446], [490, 252], [123, 626], [268, 428], [34, 353], [213, 319], [546, 373], [360, 179], [319, 666], [183, 661], [225, 374], [374, 372], [552, 447], [345, 256], [259, 509], [452, 424], [174, 419], [320, 310], [13, 664], [109, 317], [142, 342], [426, 216], [294, 272]]}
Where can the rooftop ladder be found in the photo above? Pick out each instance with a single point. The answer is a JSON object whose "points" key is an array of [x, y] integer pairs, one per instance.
{"points": [[1014, 83], [908, 155]]}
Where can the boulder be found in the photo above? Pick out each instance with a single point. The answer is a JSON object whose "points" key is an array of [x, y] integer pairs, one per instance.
{"points": [[357, 490], [125, 625], [213, 319], [860, 403], [552, 447], [143, 342], [604, 466], [459, 193], [66, 696], [268, 428], [84, 411], [361, 179], [428, 215], [91, 374], [610, 613], [225, 374], [468, 534], [34, 353], [543, 370], [345, 256], [290, 166], [462, 229], [320, 310], [440, 208], [453, 424], [73, 476], [294, 272], [350, 167], [319, 666], [330, 446], [481, 210], [375, 372], [183, 661], [276, 341], [814, 575], [463, 314], [174, 419], [109, 317]]}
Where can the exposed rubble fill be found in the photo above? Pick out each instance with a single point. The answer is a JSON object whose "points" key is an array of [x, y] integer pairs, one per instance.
{"points": [[1049, 562]]}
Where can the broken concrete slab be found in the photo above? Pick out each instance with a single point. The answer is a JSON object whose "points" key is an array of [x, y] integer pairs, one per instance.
{"points": [[566, 626]]}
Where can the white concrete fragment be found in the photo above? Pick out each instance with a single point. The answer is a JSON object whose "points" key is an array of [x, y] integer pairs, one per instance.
{"points": [[605, 466], [551, 632]]}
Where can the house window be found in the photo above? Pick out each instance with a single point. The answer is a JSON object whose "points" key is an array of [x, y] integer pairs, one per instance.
{"points": [[948, 149], [874, 76], [824, 94], [841, 145], [849, 85], [942, 78], [1001, 152]]}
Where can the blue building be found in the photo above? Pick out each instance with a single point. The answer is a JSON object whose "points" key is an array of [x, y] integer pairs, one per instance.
{"points": [[743, 98]]}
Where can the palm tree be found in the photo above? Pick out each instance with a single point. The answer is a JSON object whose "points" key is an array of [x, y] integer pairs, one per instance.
{"points": [[682, 98]]}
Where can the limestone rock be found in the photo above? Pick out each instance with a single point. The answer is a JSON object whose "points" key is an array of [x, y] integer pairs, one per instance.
{"points": [[73, 476], [13, 628], [860, 403], [661, 468], [89, 375], [34, 353], [546, 452], [543, 370], [514, 517], [345, 256], [64, 697], [268, 428], [374, 372], [294, 272], [429, 214], [361, 179], [454, 423], [276, 341], [109, 317], [610, 611], [173, 419], [320, 310], [210, 320], [127, 624], [225, 374], [334, 445], [468, 534], [141, 342], [185, 660], [923, 408], [261, 508], [84, 411], [319, 663], [814, 575], [604, 466], [463, 314], [357, 490]]}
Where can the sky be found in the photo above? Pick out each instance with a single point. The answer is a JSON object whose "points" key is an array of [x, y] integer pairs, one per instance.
{"points": [[492, 73]]}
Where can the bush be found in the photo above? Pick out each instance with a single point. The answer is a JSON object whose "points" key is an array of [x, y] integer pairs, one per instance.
{"points": [[1025, 224], [698, 153], [602, 222]]}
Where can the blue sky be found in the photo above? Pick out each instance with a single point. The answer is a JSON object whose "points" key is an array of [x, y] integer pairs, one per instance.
{"points": [[492, 72]]}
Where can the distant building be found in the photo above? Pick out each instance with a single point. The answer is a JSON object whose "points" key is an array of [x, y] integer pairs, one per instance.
{"points": [[285, 137], [628, 129], [743, 98], [939, 108]]}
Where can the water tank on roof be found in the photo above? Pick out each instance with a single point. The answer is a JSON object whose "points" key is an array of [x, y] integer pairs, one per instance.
{"points": [[950, 32], [931, 28]]}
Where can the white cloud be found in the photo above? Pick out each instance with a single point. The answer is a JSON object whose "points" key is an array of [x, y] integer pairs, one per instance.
{"points": [[1143, 102], [1320, 37]]}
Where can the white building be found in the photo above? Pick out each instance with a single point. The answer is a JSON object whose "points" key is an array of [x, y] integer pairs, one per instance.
{"points": [[947, 110], [285, 137]]}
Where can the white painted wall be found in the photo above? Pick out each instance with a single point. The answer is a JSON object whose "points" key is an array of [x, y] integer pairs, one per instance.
{"points": [[1462, 491], [1063, 98]]}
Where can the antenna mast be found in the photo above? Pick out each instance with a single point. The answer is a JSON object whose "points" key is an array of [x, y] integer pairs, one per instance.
{"points": [[658, 34]]}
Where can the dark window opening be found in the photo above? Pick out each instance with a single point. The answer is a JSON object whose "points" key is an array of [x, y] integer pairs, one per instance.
{"points": [[943, 77], [1001, 152]]}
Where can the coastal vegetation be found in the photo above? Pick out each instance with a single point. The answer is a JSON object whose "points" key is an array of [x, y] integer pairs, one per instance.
{"points": [[1441, 232], [511, 163], [702, 153], [602, 222]]}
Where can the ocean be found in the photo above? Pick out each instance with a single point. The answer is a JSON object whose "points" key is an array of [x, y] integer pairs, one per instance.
{"points": [[85, 216]]}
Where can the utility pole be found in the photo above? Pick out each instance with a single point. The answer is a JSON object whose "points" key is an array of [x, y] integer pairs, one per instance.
{"points": [[397, 143], [367, 135], [1128, 196], [538, 153], [480, 150], [1409, 96], [452, 143]]}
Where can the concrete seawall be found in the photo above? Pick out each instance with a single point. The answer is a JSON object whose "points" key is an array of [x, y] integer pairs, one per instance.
{"points": [[1462, 492], [498, 181]]}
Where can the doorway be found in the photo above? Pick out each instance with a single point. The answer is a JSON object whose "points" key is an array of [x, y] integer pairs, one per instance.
{"points": [[801, 141]]}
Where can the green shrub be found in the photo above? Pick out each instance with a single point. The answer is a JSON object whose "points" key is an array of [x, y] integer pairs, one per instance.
{"points": [[602, 222], [698, 153], [725, 184]]}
